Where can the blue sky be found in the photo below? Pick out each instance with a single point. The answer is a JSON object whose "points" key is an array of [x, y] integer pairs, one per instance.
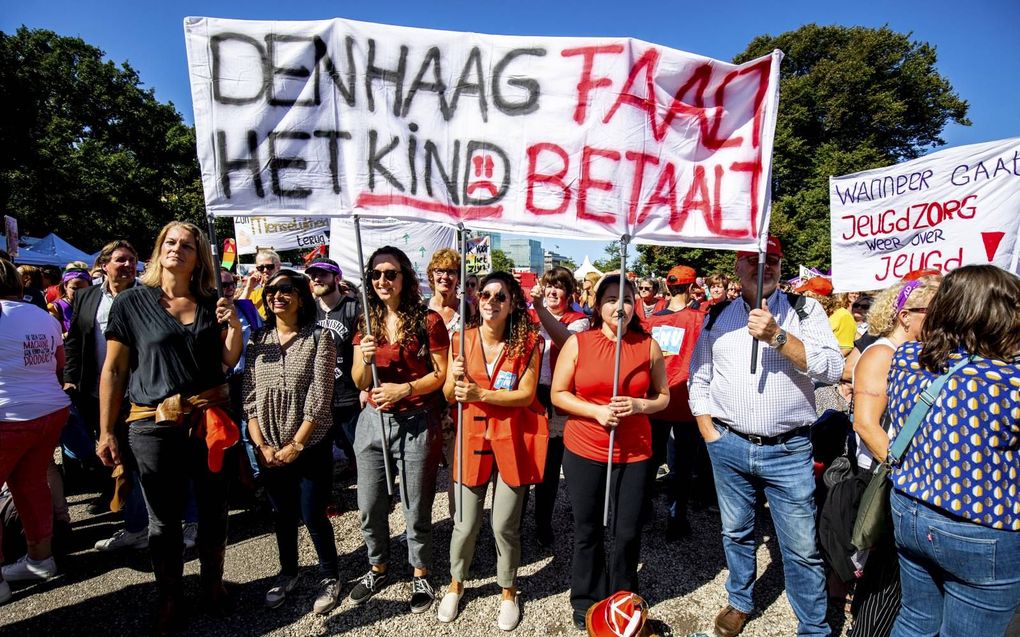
{"points": [[977, 43]]}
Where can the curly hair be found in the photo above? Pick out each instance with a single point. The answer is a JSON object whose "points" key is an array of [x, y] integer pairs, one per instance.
{"points": [[974, 310], [443, 259], [882, 316], [411, 311], [519, 333]]}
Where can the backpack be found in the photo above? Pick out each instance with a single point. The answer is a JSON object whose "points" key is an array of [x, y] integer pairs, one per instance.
{"points": [[797, 301]]}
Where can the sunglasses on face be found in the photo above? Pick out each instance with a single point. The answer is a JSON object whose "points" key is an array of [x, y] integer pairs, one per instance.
{"points": [[644, 288], [472, 284], [862, 307], [228, 284], [266, 267], [391, 275], [283, 288], [485, 295], [918, 310]]}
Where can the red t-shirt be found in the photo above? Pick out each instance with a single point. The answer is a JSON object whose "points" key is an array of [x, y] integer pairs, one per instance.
{"points": [[677, 333], [400, 363], [593, 382]]}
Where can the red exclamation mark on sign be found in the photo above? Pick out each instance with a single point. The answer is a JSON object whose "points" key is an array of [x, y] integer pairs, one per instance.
{"points": [[992, 240]]}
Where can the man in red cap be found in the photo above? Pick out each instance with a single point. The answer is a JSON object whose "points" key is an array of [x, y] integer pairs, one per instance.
{"points": [[676, 329], [756, 426]]}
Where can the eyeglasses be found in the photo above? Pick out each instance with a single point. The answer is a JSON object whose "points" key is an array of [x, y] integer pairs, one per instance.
{"points": [[229, 284], [391, 275], [283, 288], [485, 295], [472, 284], [447, 271], [771, 260], [266, 267]]}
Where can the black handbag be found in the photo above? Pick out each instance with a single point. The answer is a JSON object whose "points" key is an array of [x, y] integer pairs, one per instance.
{"points": [[874, 515]]}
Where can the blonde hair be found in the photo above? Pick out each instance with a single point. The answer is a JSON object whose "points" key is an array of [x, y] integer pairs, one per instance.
{"points": [[269, 252], [203, 282], [443, 259], [882, 315]]}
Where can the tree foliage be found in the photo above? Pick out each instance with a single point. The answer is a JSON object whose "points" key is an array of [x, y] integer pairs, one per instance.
{"points": [[850, 99], [89, 153], [501, 261]]}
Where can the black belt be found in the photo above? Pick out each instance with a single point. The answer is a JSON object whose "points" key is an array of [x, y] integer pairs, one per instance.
{"points": [[765, 440]]}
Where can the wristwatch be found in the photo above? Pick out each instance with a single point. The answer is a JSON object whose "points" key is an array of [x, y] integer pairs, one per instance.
{"points": [[779, 339], [297, 445]]}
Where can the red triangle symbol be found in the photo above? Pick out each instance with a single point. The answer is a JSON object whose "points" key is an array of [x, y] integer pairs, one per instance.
{"points": [[992, 240]]}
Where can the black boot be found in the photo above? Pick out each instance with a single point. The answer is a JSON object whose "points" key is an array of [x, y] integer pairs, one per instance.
{"points": [[215, 599], [169, 572]]}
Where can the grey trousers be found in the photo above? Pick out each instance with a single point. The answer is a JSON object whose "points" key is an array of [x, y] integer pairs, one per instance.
{"points": [[507, 502], [415, 444]]}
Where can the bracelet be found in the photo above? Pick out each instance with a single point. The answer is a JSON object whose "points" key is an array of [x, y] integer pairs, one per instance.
{"points": [[410, 390]]}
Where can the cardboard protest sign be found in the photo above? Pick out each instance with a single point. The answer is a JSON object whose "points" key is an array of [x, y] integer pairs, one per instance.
{"points": [[279, 233], [419, 241], [479, 255], [571, 137], [951, 208]]}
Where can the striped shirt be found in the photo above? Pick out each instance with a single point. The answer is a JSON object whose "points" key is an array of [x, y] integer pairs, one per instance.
{"points": [[778, 397]]}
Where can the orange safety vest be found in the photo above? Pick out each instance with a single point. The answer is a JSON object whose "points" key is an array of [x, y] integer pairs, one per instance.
{"points": [[518, 436]]}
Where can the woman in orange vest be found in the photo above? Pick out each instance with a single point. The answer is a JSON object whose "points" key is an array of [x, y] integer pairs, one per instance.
{"points": [[582, 386], [505, 434]]}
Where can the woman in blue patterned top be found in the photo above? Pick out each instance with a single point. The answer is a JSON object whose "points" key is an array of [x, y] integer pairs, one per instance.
{"points": [[954, 501]]}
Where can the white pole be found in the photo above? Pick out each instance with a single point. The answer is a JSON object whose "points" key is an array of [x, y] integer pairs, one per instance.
{"points": [[462, 244], [375, 375], [616, 369]]}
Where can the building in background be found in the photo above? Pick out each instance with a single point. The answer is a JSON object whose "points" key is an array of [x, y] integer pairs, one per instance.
{"points": [[525, 253], [553, 259]]}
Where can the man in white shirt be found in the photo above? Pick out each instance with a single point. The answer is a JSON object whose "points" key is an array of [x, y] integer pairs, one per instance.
{"points": [[756, 427]]}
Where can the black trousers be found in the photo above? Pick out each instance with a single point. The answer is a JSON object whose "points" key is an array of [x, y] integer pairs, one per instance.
{"points": [[167, 457], [594, 573]]}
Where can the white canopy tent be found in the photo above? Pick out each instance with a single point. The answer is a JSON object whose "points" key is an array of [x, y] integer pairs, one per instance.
{"points": [[585, 268]]}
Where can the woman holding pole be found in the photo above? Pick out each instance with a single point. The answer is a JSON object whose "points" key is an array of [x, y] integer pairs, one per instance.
{"points": [[505, 436], [582, 386], [407, 346]]}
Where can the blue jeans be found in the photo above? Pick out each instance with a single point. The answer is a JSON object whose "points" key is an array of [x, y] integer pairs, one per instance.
{"points": [[785, 473], [959, 578]]}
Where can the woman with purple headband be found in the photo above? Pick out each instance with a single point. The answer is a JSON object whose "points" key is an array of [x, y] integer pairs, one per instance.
{"points": [[73, 279], [897, 315]]}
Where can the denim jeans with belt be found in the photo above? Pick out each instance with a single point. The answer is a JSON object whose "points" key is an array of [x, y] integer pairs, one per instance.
{"points": [[415, 443], [958, 578], [785, 473]]}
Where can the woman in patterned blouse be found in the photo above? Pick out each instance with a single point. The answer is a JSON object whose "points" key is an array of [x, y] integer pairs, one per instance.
{"points": [[955, 504], [288, 396]]}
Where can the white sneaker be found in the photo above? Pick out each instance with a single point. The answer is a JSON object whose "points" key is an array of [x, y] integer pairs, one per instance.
{"points": [[509, 614], [449, 607], [27, 569], [329, 593], [5, 592], [282, 585], [124, 540], [190, 535]]}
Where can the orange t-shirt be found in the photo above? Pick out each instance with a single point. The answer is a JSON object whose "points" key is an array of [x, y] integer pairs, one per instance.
{"points": [[593, 382]]}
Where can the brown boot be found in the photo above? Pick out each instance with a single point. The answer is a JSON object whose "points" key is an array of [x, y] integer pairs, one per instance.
{"points": [[215, 599], [729, 622], [169, 576]]}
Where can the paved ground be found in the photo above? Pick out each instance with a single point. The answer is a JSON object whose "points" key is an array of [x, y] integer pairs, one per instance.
{"points": [[112, 594]]}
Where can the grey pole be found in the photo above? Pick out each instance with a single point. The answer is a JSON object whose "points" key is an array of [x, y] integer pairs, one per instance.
{"points": [[616, 369], [462, 244], [757, 304], [215, 249], [387, 463]]}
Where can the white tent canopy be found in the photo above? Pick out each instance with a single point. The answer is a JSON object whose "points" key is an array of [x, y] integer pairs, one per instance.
{"points": [[585, 268]]}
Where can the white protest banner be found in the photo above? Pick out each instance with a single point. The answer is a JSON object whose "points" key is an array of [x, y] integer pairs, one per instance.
{"points": [[417, 240], [955, 207], [279, 233], [479, 255], [572, 137]]}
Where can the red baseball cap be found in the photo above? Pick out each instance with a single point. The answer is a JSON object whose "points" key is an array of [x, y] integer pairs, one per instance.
{"points": [[774, 247], [622, 613], [817, 284], [681, 275]]}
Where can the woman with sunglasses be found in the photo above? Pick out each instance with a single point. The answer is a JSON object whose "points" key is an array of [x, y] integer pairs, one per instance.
{"points": [[648, 302], [505, 435], [582, 386], [409, 346], [288, 394], [169, 341]]}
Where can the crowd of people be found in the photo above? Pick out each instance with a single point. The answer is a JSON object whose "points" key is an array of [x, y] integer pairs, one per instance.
{"points": [[178, 378]]}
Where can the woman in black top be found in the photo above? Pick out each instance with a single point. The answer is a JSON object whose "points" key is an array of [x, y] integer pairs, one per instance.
{"points": [[169, 341]]}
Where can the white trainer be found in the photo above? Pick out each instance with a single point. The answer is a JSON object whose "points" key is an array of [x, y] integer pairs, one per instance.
{"points": [[449, 607], [5, 591], [27, 570], [509, 614], [124, 540]]}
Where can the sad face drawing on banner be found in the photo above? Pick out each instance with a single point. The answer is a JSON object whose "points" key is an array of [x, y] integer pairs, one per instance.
{"points": [[487, 177]]}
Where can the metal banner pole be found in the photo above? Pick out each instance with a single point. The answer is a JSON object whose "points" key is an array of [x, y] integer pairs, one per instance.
{"points": [[757, 304], [215, 249], [387, 463], [462, 244], [616, 369]]}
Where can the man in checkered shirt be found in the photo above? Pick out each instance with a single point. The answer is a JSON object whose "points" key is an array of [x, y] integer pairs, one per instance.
{"points": [[756, 427]]}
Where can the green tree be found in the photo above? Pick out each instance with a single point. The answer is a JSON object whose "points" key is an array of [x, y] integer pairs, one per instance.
{"points": [[851, 98], [89, 152], [501, 262]]}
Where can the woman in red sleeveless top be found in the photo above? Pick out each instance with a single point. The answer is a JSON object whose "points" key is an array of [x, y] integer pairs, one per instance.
{"points": [[505, 436], [582, 386]]}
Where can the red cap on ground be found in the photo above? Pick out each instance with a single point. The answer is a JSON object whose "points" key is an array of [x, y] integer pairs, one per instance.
{"points": [[681, 275], [774, 247], [622, 613], [817, 284]]}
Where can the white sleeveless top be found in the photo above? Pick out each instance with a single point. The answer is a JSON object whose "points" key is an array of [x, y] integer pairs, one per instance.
{"points": [[864, 456]]}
